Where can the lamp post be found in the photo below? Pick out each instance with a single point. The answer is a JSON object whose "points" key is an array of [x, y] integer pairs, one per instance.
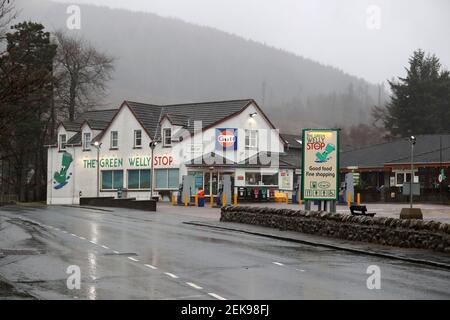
{"points": [[413, 142], [152, 146], [97, 146]]}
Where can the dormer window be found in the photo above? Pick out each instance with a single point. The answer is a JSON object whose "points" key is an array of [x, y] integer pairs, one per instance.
{"points": [[167, 137], [62, 141], [87, 141], [137, 138], [114, 139]]}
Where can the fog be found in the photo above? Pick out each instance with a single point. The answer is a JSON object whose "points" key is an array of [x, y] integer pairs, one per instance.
{"points": [[342, 33]]}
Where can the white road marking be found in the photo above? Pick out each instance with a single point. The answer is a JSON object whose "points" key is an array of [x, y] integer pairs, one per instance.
{"points": [[278, 263], [301, 270], [82, 238], [64, 231], [133, 259], [216, 296], [171, 275], [74, 235], [116, 252], [105, 247], [150, 266], [193, 285], [93, 242], [93, 278]]}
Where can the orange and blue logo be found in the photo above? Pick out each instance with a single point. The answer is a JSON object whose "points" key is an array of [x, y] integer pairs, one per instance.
{"points": [[226, 139]]}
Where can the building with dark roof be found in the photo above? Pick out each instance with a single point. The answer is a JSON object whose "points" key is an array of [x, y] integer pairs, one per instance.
{"points": [[104, 151], [384, 168]]}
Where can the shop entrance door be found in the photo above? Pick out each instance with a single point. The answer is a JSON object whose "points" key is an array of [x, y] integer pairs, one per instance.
{"points": [[211, 183]]}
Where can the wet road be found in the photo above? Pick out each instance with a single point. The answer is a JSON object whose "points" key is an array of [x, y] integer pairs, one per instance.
{"points": [[138, 255]]}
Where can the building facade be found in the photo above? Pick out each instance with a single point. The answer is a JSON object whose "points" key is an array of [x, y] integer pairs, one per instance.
{"points": [[107, 151]]}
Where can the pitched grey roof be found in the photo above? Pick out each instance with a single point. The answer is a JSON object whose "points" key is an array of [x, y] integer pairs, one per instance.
{"points": [[97, 119], [426, 150], [75, 140], [292, 140], [185, 114]]}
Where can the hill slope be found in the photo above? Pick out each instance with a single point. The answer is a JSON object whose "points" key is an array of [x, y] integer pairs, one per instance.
{"points": [[164, 60]]}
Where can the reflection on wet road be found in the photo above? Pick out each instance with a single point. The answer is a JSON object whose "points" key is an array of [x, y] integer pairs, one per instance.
{"points": [[138, 255]]}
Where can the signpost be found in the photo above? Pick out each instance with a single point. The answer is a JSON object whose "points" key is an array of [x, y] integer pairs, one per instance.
{"points": [[320, 168]]}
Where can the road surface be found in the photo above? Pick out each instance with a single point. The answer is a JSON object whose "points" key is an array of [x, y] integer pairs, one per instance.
{"points": [[124, 254]]}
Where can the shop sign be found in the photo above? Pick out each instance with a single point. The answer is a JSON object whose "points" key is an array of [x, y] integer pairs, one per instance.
{"points": [[226, 139], [320, 167], [142, 161]]}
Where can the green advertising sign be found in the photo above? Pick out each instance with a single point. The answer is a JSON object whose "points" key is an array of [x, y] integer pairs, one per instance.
{"points": [[320, 167]]}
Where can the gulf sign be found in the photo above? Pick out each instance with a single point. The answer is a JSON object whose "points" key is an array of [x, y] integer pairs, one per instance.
{"points": [[226, 138]]}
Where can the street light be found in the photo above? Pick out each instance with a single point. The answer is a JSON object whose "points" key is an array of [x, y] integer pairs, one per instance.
{"points": [[413, 142], [97, 145], [152, 146]]}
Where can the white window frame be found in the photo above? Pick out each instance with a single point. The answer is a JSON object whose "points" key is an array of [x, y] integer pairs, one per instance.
{"points": [[116, 146], [249, 139], [165, 144], [62, 145], [87, 142], [135, 138]]}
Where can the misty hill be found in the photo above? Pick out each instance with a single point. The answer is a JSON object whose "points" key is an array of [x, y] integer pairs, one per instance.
{"points": [[165, 60]]}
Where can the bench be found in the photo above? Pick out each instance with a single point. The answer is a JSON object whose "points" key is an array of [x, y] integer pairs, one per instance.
{"points": [[360, 211]]}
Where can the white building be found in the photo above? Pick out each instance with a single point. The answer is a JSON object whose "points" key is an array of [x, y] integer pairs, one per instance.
{"points": [[207, 140]]}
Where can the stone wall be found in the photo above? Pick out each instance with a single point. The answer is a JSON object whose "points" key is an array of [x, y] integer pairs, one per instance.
{"points": [[386, 231]]}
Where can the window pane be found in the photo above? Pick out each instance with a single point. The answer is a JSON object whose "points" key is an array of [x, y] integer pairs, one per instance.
{"points": [[145, 179], [173, 178], [133, 179], [400, 178], [106, 179], [270, 179], [118, 179], [161, 178], [167, 137], [408, 177], [252, 178], [137, 138]]}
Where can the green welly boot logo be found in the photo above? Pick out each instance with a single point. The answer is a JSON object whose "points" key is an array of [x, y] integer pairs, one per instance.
{"points": [[323, 156], [61, 177]]}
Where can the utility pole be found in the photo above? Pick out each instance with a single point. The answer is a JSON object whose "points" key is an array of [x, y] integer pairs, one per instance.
{"points": [[97, 146], [413, 142]]}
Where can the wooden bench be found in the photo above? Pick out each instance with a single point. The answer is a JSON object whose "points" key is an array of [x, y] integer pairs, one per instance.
{"points": [[360, 211]]}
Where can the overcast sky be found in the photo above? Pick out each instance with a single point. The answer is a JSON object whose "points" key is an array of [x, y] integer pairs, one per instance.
{"points": [[368, 38]]}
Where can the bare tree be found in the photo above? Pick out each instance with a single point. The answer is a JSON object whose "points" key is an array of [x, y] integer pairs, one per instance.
{"points": [[81, 74], [7, 14]]}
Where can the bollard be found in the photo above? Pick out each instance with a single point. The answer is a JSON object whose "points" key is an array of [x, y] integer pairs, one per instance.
{"points": [[186, 200], [349, 199], [235, 200], [211, 201], [196, 200], [224, 200], [287, 198], [173, 199], [358, 199], [300, 201]]}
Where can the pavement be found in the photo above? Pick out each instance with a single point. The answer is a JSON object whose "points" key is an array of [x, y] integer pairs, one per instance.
{"points": [[434, 212], [128, 254]]}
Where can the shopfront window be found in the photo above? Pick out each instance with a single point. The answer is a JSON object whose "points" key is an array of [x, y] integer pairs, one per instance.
{"points": [[139, 179], [261, 178], [252, 178], [112, 179], [270, 179], [167, 178]]}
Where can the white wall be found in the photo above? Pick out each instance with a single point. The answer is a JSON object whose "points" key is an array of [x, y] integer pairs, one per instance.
{"points": [[84, 177]]}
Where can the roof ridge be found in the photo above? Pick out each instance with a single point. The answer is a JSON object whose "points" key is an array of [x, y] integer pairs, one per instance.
{"points": [[396, 140], [207, 102]]}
